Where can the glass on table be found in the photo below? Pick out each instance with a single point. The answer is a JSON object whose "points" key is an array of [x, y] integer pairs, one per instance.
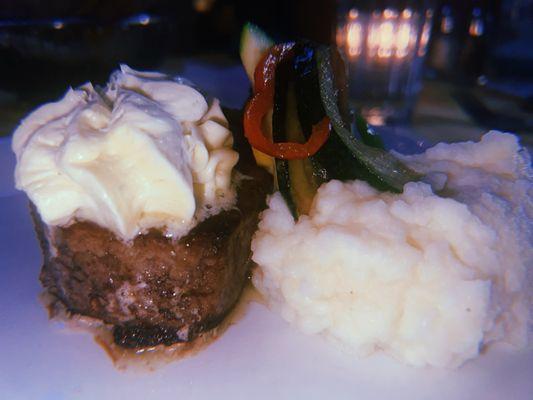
{"points": [[384, 46]]}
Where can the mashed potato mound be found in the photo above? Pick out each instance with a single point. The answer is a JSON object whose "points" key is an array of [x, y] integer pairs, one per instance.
{"points": [[428, 279]]}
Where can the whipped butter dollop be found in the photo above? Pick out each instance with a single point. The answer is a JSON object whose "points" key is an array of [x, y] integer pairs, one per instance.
{"points": [[144, 152]]}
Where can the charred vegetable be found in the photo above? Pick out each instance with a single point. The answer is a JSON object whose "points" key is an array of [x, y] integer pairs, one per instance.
{"points": [[298, 179], [262, 101], [305, 86], [254, 44], [382, 169]]}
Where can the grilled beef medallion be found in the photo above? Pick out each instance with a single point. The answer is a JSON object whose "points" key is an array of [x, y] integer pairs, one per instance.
{"points": [[155, 290], [144, 201]]}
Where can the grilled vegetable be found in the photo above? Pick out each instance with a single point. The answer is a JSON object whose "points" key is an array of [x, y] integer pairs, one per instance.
{"points": [[299, 179], [379, 168], [254, 44], [334, 157], [367, 134], [305, 86]]}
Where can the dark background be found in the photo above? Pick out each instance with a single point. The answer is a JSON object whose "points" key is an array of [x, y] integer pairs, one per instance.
{"points": [[96, 35], [46, 44]]}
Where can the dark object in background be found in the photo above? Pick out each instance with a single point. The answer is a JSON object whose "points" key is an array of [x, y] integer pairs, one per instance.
{"points": [[482, 39], [457, 51], [511, 42], [474, 52], [315, 20], [44, 49], [41, 57]]}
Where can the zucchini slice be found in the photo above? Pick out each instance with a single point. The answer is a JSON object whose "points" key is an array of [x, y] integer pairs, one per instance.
{"points": [[303, 181], [372, 164], [320, 86], [298, 180], [333, 156], [253, 46]]}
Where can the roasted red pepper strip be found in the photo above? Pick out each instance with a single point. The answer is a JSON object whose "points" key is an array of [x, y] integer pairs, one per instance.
{"points": [[263, 101]]}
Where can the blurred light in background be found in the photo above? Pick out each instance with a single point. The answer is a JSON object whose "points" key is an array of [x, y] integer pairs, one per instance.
{"points": [[142, 19], [58, 24], [447, 22], [388, 33], [476, 27], [354, 35], [203, 6]]}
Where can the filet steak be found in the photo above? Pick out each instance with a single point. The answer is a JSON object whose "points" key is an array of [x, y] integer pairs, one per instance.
{"points": [[156, 290]]}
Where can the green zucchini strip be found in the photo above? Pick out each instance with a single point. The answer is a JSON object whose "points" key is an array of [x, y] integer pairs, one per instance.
{"points": [[368, 135], [386, 168]]}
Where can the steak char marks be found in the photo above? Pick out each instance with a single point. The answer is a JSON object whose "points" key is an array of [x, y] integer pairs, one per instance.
{"points": [[155, 290]]}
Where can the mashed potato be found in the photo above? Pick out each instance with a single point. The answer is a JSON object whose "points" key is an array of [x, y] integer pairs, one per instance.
{"points": [[428, 279]]}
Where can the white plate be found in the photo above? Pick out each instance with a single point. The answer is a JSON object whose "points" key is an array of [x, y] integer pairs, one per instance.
{"points": [[260, 357]]}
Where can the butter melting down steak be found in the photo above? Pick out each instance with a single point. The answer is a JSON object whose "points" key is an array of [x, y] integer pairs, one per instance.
{"points": [[156, 290]]}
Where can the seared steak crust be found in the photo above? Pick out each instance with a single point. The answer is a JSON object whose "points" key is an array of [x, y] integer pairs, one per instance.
{"points": [[155, 290]]}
